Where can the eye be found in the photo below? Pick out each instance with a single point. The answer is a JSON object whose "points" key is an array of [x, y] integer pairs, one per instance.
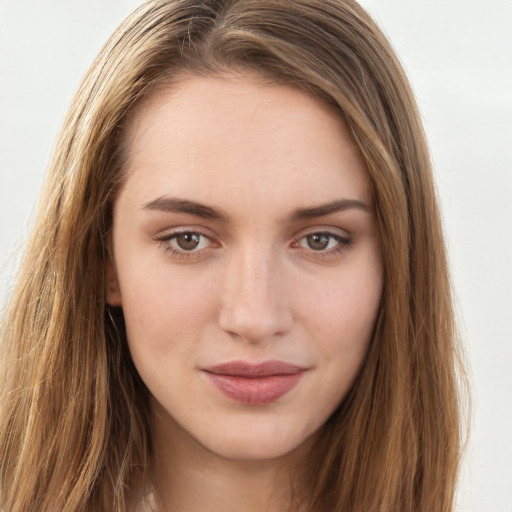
{"points": [[323, 241], [185, 242], [188, 241]]}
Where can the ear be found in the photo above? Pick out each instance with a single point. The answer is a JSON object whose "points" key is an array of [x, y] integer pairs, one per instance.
{"points": [[113, 290]]}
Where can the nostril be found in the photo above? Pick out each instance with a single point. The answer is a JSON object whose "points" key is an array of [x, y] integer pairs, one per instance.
{"points": [[253, 322], [254, 303]]}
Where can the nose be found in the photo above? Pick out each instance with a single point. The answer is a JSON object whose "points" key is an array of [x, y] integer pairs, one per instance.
{"points": [[255, 305]]}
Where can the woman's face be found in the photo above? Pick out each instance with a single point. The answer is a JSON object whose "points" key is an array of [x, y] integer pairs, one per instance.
{"points": [[246, 261]]}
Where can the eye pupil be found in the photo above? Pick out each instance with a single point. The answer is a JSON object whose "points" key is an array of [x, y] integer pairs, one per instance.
{"points": [[188, 241], [318, 241]]}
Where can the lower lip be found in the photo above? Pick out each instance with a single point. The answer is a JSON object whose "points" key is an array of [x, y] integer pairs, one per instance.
{"points": [[254, 390]]}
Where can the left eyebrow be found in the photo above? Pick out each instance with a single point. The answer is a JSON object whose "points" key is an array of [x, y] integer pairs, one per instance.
{"points": [[322, 210]]}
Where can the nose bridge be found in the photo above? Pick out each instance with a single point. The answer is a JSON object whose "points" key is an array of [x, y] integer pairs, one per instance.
{"points": [[254, 301]]}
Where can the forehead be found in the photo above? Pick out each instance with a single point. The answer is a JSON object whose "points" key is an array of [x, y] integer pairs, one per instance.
{"points": [[239, 136]]}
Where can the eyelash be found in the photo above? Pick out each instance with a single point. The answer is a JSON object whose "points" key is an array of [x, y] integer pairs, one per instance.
{"points": [[164, 241], [343, 243]]}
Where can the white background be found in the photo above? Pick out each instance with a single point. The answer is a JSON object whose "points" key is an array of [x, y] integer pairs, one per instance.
{"points": [[458, 55]]}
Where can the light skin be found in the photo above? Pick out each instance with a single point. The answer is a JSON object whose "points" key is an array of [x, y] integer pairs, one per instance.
{"points": [[244, 231]]}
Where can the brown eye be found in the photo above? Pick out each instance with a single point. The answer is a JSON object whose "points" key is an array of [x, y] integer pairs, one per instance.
{"points": [[188, 241], [186, 244], [318, 241], [324, 242]]}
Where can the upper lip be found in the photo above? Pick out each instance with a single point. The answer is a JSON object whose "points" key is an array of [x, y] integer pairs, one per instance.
{"points": [[247, 369]]}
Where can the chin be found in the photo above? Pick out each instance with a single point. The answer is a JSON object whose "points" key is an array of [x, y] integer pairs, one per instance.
{"points": [[258, 443]]}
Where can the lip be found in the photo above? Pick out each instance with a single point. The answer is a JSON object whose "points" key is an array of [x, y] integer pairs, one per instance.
{"points": [[254, 384]]}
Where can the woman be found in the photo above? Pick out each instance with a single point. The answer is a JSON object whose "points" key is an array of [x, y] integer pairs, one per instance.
{"points": [[236, 294]]}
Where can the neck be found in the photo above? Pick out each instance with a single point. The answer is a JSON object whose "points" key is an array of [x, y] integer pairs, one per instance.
{"points": [[189, 477]]}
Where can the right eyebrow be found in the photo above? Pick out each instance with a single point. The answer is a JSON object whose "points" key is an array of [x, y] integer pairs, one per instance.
{"points": [[177, 205]]}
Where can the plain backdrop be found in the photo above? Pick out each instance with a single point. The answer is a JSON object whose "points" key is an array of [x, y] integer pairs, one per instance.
{"points": [[458, 55]]}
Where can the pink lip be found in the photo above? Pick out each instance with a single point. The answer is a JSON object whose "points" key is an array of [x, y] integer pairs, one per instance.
{"points": [[254, 384]]}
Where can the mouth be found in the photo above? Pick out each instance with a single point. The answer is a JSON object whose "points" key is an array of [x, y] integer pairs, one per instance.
{"points": [[254, 384]]}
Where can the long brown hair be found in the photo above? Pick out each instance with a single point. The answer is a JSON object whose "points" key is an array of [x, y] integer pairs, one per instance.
{"points": [[74, 433]]}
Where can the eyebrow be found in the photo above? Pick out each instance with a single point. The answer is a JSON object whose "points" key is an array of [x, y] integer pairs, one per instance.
{"points": [[336, 206], [177, 205]]}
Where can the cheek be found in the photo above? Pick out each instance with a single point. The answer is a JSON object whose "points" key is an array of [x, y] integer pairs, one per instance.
{"points": [[165, 315], [343, 312], [163, 304]]}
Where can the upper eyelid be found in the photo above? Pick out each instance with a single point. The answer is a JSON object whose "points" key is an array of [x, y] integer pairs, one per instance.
{"points": [[331, 230], [171, 232]]}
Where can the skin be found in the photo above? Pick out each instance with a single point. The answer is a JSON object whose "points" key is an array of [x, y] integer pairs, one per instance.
{"points": [[258, 286]]}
